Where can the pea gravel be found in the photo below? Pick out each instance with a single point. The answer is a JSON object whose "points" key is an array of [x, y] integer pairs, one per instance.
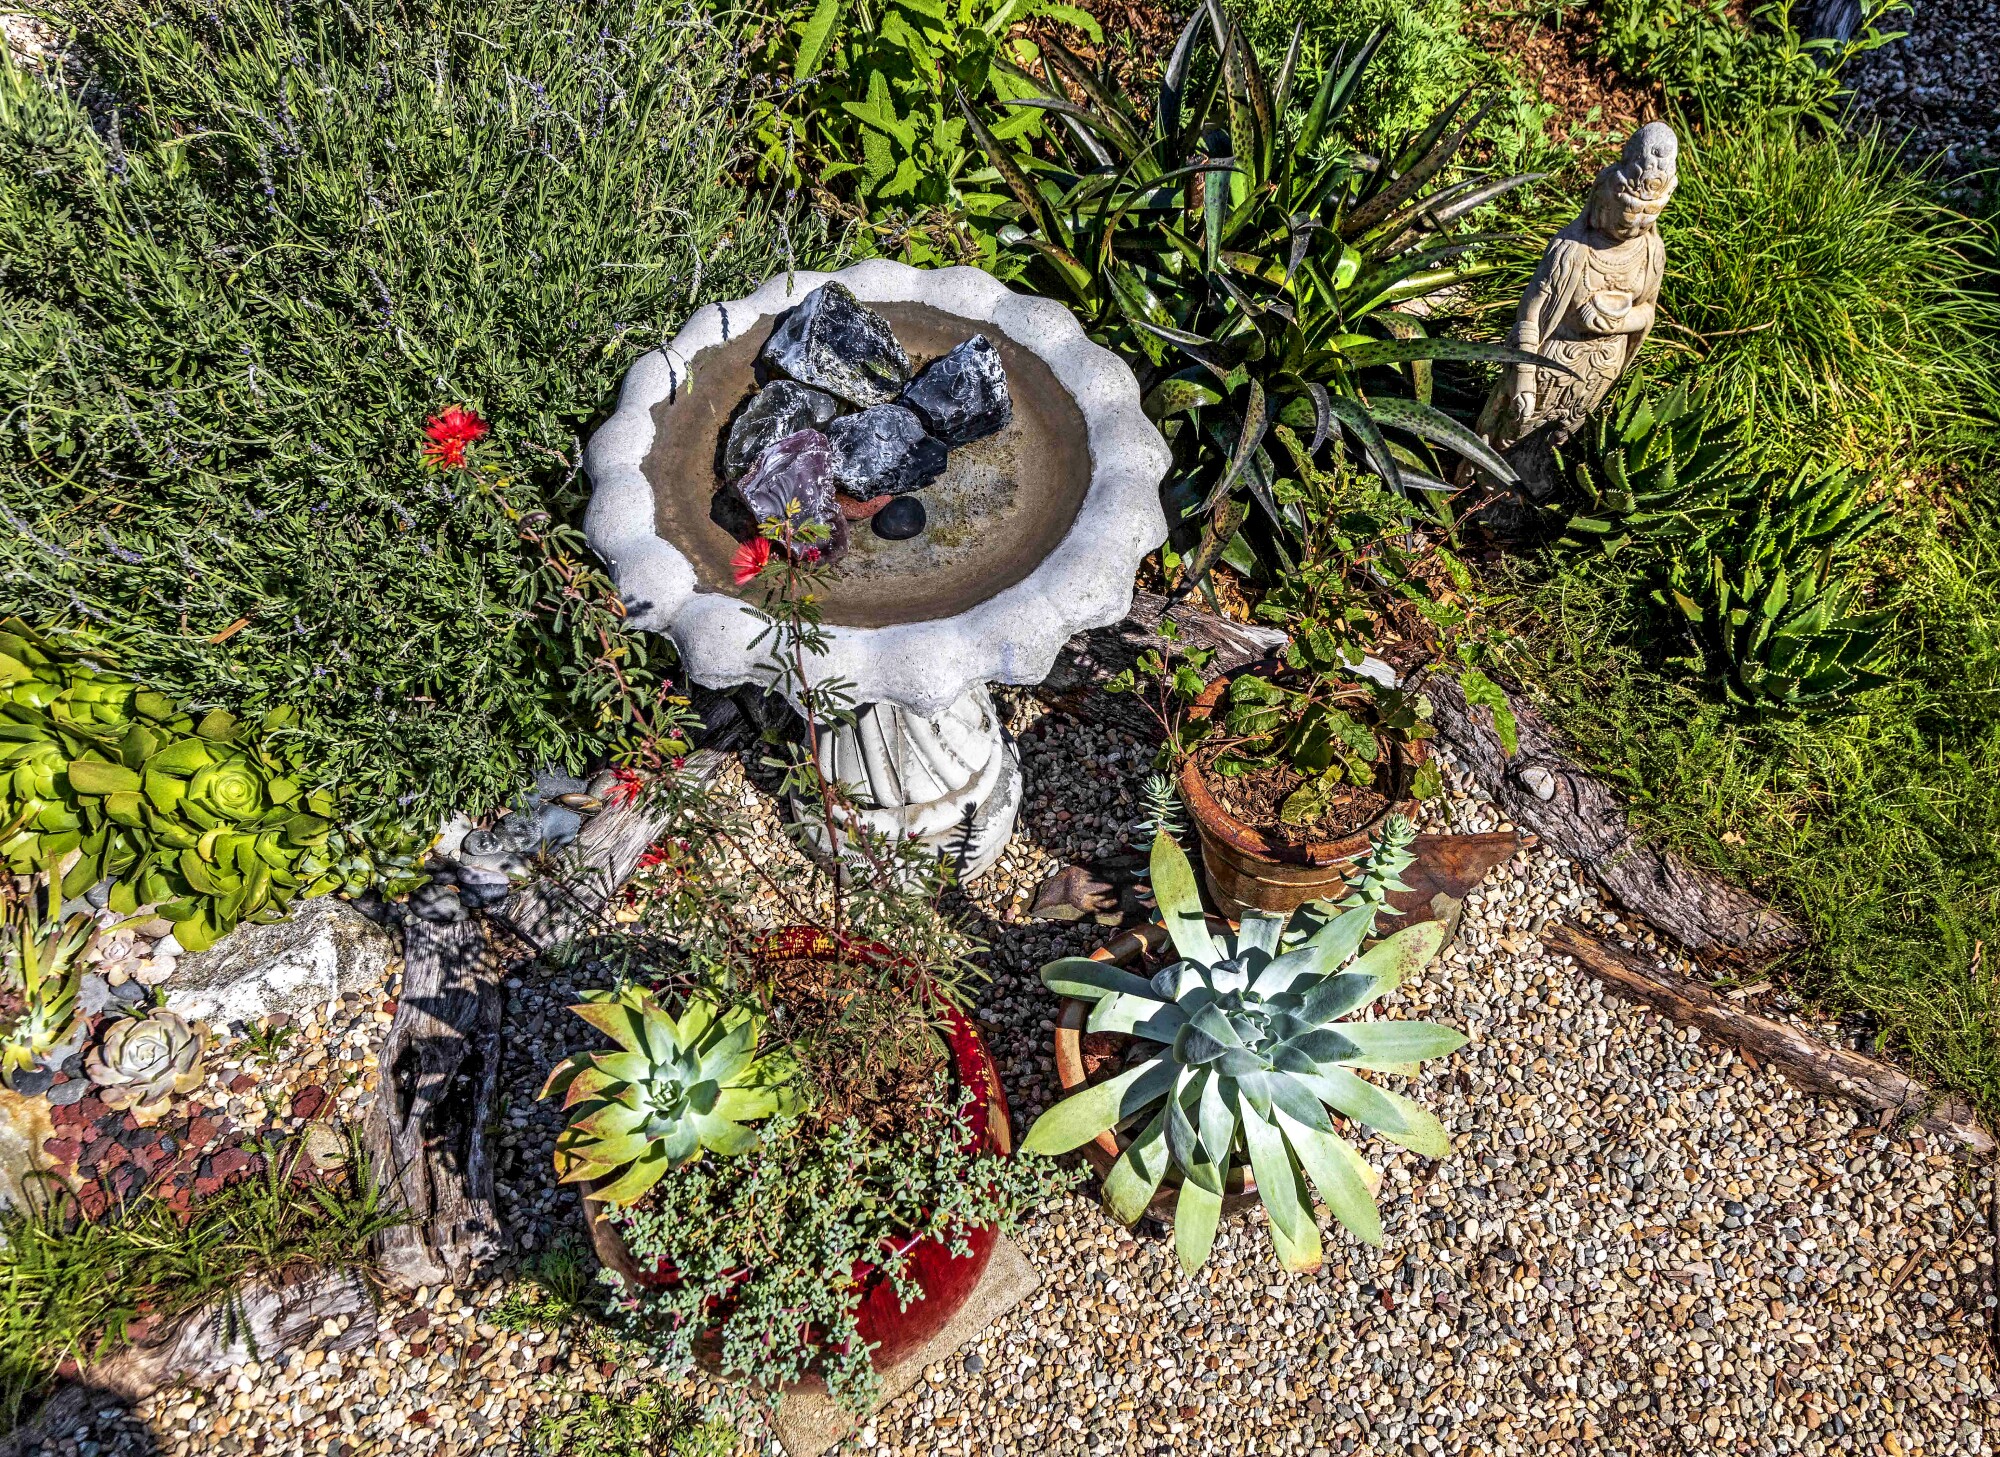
{"points": [[1641, 1245]]}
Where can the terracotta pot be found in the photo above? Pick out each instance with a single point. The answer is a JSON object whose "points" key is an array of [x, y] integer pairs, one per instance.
{"points": [[945, 1281], [1245, 871], [1131, 948]]}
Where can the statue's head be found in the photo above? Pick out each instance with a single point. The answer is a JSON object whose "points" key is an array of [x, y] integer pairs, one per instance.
{"points": [[1632, 192]]}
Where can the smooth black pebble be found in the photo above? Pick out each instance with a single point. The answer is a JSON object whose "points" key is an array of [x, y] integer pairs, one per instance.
{"points": [[900, 520]]}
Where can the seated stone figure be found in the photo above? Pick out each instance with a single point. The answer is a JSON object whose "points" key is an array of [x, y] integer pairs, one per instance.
{"points": [[1589, 307]]}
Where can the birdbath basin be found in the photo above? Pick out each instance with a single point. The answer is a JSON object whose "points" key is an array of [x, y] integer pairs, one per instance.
{"points": [[1034, 534]]}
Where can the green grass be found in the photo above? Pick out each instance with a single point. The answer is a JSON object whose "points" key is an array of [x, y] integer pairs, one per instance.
{"points": [[71, 1291], [1816, 284], [1879, 830], [225, 318]]}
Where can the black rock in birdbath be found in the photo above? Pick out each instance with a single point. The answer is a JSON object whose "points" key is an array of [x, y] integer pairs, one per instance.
{"points": [[798, 468], [900, 520], [833, 342], [783, 407], [883, 451], [962, 395]]}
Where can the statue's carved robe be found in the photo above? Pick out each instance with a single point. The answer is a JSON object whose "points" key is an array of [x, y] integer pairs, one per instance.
{"points": [[1571, 313]]}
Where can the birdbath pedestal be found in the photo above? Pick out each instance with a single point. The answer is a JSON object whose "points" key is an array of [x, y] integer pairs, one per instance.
{"points": [[1034, 534]]}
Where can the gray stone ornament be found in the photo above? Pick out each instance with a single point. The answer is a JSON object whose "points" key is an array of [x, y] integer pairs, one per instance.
{"points": [[926, 748], [1590, 305]]}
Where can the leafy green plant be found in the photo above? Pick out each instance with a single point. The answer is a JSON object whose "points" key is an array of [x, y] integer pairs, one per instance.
{"points": [[1249, 264], [41, 962], [228, 316], [209, 823], [1327, 728], [867, 107], [1239, 1049], [677, 1086], [777, 1233], [1776, 628], [1654, 470], [1702, 52], [651, 1424], [268, 1040]]}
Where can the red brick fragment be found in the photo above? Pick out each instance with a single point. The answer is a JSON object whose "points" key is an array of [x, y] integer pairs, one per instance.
{"points": [[242, 1083], [308, 1101]]}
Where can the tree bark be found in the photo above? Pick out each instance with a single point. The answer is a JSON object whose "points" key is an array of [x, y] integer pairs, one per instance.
{"points": [[1836, 1071], [426, 1131], [1580, 817], [1075, 683]]}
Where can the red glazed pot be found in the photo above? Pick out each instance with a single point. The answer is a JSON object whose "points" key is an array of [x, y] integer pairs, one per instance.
{"points": [[944, 1281]]}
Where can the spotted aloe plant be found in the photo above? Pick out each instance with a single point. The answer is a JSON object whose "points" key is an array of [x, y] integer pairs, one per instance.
{"points": [[674, 1087], [1240, 1048]]}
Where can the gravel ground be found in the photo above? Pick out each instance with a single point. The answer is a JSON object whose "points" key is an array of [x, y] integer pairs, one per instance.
{"points": [[1641, 1245], [1939, 87]]}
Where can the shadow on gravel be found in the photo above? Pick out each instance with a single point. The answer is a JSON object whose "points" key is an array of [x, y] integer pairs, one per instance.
{"points": [[82, 1421]]}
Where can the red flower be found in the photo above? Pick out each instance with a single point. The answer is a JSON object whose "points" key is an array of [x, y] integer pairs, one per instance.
{"points": [[449, 434], [750, 560], [625, 788]]}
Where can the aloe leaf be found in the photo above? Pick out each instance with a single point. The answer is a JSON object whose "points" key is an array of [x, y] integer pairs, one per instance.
{"points": [[1260, 930], [1403, 351], [1337, 91], [1179, 900], [1340, 1175], [1084, 1114], [1281, 90], [1432, 424], [1135, 1178], [1373, 447], [1146, 1017], [1391, 1046], [1173, 85], [1087, 979], [1197, 1215], [1256, 422], [1395, 1117], [1394, 959], [1292, 1228]]}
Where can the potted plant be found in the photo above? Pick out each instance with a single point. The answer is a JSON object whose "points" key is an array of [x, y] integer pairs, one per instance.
{"points": [[1234, 1053], [795, 1151]]}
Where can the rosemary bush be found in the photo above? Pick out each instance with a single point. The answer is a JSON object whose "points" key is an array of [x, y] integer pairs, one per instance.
{"points": [[246, 261]]}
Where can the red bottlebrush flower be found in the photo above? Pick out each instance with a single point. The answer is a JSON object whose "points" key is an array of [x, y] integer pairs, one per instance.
{"points": [[750, 560], [449, 434], [625, 787], [812, 556]]}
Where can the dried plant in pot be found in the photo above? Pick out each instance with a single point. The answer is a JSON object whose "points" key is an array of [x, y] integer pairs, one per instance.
{"points": [[795, 1157], [1230, 1058]]}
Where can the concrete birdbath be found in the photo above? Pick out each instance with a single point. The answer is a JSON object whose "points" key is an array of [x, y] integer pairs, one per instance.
{"points": [[1033, 534]]}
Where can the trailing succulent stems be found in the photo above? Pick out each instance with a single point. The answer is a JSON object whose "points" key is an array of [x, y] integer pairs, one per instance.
{"points": [[1239, 1048]]}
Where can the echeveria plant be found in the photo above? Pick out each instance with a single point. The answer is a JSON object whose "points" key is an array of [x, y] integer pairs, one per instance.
{"points": [[674, 1087], [1241, 1049]]}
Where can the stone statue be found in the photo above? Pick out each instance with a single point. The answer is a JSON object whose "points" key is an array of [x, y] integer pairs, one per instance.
{"points": [[1589, 306]]}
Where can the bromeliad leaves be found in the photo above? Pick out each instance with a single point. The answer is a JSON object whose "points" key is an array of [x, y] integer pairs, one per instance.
{"points": [[1248, 257]]}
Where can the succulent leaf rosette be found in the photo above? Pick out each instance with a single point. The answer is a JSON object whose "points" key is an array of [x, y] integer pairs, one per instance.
{"points": [[674, 1087], [41, 961], [209, 821], [140, 1062], [1240, 1050]]}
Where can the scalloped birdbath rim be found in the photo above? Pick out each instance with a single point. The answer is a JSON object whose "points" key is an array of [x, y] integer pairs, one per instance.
{"points": [[1013, 636]]}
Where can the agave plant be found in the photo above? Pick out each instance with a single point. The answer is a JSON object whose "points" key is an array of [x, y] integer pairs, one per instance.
{"points": [[674, 1087], [1241, 1046], [144, 1060], [1660, 472], [41, 962], [1774, 621], [1253, 265]]}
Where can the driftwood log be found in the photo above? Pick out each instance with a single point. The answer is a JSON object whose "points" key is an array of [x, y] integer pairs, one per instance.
{"points": [[426, 1131], [333, 1309], [1541, 788], [1836, 1071]]}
